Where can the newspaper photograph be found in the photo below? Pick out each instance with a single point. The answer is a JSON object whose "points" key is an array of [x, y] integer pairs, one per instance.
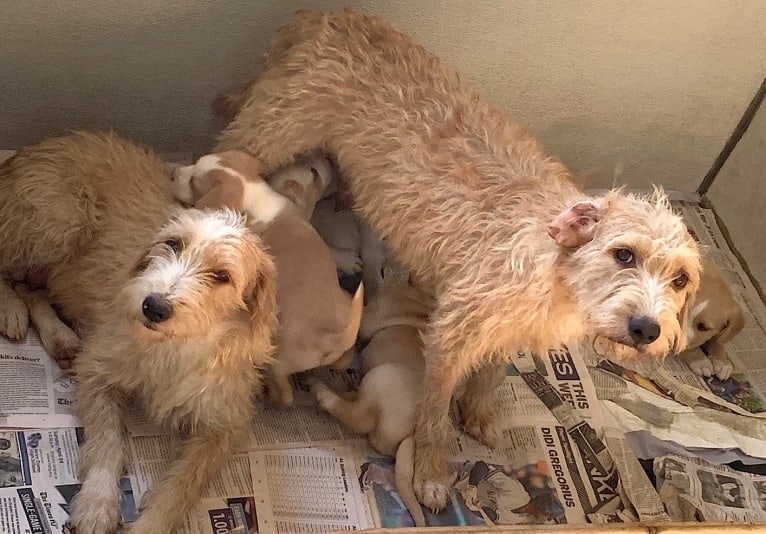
{"points": [[38, 479], [694, 490]]}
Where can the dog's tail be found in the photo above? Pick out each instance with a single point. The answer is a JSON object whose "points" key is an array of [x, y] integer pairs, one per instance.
{"points": [[354, 319], [404, 471]]}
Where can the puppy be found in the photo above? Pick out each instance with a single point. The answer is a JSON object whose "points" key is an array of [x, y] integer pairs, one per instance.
{"points": [[393, 368], [304, 182], [715, 319], [318, 321], [516, 255], [176, 310]]}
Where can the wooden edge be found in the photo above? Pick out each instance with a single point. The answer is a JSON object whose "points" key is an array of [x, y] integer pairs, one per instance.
{"points": [[615, 528]]}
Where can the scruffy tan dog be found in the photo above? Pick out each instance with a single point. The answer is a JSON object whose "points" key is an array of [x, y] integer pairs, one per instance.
{"points": [[178, 311], [516, 255], [393, 367], [318, 321], [715, 319]]}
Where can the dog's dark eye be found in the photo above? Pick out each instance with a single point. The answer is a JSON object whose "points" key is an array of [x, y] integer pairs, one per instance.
{"points": [[221, 277], [174, 244], [702, 327], [680, 281], [624, 257], [315, 173]]}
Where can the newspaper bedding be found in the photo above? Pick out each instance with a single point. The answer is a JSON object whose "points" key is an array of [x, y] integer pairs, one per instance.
{"points": [[562, 459]]}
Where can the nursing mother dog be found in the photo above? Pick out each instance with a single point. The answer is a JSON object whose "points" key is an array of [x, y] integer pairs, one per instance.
{"points": [[517, 257]]}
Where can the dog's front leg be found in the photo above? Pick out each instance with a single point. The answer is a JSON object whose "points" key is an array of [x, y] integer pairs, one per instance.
{"points": [[477, 404], [96, 508], [202, 456], [433, 427]]}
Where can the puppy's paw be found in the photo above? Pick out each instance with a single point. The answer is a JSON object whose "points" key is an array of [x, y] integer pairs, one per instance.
{"points": [[431, 493], [62, 344], [722, 367], [324, 395], [94, 513], [483, 429], [701, 365], [348, 261], [14, 318]]}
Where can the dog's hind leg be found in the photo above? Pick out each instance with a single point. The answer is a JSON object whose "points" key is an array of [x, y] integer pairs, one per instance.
{"points": [[61, 343], [14, 315], [477, 404], [96, 508], [359, 416], [202, 457]]}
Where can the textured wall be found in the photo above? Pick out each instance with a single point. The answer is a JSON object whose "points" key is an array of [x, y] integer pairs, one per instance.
{"points": [[739, 196], [654, 86]]}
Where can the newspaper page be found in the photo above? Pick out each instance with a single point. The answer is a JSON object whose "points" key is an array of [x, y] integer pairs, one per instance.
{"points": [[36, 392], [38, 479], [694, 490]]}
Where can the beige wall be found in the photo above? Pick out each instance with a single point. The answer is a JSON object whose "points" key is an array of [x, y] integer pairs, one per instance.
{"points": [[739, 196], [655, 87]]}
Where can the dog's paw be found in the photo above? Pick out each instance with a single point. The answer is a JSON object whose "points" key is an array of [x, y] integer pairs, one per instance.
{"points": [[431, 493], [722, 367], [701, 365], [62, 344], [324, 395], [347, 261], [94, 513], [14, 318]]}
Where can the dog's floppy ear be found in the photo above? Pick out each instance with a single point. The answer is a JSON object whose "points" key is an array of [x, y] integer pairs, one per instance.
{"points": [[734, 326], [221, 190], [574, 226], [261, 299]]}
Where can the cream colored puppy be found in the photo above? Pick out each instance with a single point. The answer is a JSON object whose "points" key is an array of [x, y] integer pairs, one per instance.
{"points": [[175, 308], [318, 321], [303, 182], [716, 318], [393, 367]]}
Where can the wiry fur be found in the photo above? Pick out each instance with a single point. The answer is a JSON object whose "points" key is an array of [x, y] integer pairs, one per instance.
{"points": [[95, 213], [318, 320], [466, 199]]}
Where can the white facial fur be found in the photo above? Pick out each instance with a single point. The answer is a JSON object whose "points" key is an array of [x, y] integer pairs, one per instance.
{"points": [[610, 294], [211, 242]]}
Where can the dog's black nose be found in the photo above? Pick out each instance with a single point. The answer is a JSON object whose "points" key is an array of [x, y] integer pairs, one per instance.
{"points": [[643, 330], [156, 308]]}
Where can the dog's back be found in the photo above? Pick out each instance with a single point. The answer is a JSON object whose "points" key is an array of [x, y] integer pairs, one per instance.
{"points": [[55, 216]]}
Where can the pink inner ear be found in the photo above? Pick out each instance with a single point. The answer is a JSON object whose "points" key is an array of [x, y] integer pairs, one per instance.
{"points": [[574, 226]]}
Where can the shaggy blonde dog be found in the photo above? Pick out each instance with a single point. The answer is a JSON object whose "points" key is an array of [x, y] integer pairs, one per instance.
{"points": [[516, 255], [177, 311]]}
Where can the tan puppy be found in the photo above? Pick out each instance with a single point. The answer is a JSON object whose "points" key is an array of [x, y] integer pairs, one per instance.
{"points": [[303, 182], [318, 321], [715, 319], [178, 311], [393, 368], [516, 255]]}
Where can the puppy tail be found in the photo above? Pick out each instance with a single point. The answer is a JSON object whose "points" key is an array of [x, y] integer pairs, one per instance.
{"points": [[354, 319], [404, 471]]}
